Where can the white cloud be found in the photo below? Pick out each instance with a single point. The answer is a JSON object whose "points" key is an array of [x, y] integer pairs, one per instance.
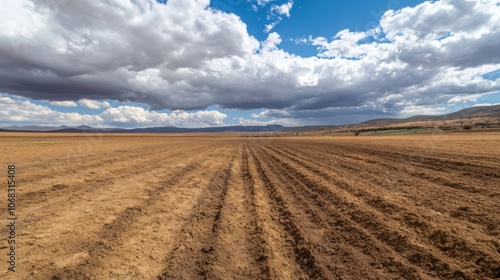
{"points": [[271, 42], [300, 41], [422, 110], [276, 13], [346, 45], [243, 121], [284, 9], [184, 55], [269, 27], [263, 2], [464, 99], [486, 104], [25, 112], [64, 103], [92, 104], [139, 116]]}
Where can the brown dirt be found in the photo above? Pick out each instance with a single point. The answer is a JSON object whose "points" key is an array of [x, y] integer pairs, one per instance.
{"points": [[230, 207]]}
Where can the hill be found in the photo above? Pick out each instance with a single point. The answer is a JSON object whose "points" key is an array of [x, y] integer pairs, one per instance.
{"points": [[479, 116], [468, 113], [165, 129]]}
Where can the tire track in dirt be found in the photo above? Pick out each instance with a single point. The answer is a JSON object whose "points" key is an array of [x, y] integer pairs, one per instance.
{"points": [[261, 251], [280, 252], [238, 247], [461, 249], [377, 194], [454, 241], [346, 249], [105, 171], [194, 256], [234, 248], [110, 238], [426, 161], [341, 161], [360, 225], [77, 164], [105, 179], [140, 248], [457, 203], [456, 192], [90, 170], [436, 174], [339, 165], [232, 208], [418, 162], [446, 148], [93, 210], [305, 256], [88, 191]]}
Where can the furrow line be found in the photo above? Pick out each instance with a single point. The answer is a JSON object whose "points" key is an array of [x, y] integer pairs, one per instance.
{"points": [[304, 255], [109, 238], [366, 218], [455, 200], [352, 252], [194, 256]]}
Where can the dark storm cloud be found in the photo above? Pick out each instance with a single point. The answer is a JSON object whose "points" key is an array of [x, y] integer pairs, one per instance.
{"points": [[183, 55]]}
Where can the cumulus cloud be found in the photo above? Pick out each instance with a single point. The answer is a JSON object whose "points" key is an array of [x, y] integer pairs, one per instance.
{"points": [[263, 2], [270, 27], [284, 9], [464, 99], [138, 115], [344, 45], [243, 121], [92, 104], [23, 111], [422, 110], [276, 14], [94, 50], [184, 55], [486, 104], [64, 103], [272, 42]]}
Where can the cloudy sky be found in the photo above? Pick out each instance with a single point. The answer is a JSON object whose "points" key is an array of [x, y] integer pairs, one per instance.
{"points": [[195, 63]]}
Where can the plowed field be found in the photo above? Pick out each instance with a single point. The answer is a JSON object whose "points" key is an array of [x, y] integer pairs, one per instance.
{"points": [[232, 207]]}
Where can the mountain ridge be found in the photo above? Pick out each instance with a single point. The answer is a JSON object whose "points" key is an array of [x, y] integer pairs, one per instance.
{"points": [[477, 112], [471, 112], [163, 129]]}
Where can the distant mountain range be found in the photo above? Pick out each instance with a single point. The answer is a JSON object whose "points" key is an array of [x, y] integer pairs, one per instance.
{"points": [[472, 112], [165, 129], [477, 114]]}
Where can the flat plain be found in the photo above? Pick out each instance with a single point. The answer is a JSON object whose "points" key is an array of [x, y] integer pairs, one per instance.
{"points": [[203, 206]]}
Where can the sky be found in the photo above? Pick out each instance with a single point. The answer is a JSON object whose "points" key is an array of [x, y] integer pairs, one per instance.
{"points": [[200, 63]]}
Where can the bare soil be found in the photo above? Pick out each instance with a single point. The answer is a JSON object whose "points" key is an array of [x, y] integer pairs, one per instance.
{"points": [[230, 207]]}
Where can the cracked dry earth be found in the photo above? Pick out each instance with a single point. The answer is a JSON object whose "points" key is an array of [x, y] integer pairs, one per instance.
{"points": [[233, 207]]}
